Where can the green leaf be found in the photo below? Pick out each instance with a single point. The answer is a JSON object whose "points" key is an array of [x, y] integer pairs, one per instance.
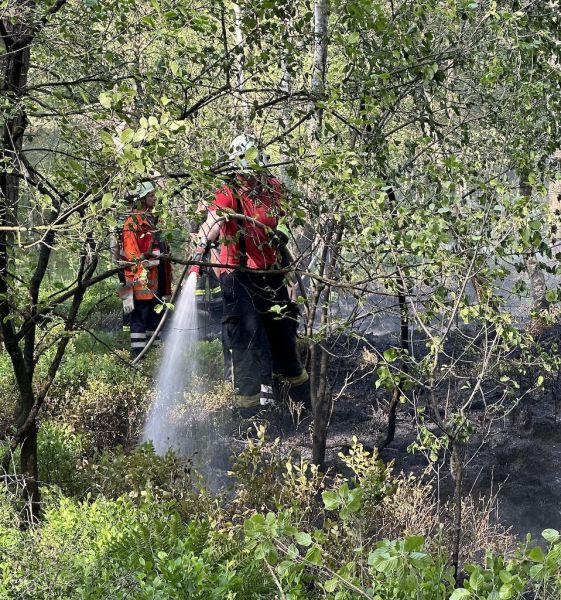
{"points": [[126, 136], [314, 556], [460, 594], [550, 535], [330, 500], [413, 543], [139, 135], [390, 354], [378, 558], [106, 200], [506, 592], [106, 138], [505, 576], [303, 538], [536, 572], [536, 554], [381, 560], [251, 154], [105, 99], [355, 500]]}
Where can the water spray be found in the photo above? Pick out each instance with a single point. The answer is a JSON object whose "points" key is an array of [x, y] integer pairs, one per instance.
{"points": [[172, 422]]}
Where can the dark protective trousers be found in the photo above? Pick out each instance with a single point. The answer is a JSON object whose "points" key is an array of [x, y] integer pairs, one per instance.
{"points": [[260, 325], [143, 322]]}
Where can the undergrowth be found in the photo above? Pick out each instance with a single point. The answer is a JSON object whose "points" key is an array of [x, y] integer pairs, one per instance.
{"points": [[144, 526]]}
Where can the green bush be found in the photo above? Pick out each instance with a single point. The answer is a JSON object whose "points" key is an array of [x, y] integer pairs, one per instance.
{"points": [[62, 456], [94, 393], [115, 472], [68, 461], [163, 539], [102, 395]]}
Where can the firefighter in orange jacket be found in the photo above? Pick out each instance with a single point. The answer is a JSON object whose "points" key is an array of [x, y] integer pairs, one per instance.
{"points": [[149, 280]]}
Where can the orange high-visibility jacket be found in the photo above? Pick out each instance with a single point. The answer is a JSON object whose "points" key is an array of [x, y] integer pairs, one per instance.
{"points": [[138, 238]]}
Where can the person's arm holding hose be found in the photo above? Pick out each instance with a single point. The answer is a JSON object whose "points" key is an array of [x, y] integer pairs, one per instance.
{"points": [[208, 232]]}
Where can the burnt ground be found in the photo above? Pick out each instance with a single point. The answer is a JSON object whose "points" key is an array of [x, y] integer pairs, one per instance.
{"points": [[520, 458]]}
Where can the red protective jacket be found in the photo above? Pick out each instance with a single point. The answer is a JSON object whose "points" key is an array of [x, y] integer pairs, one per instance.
{"points": [[265, 207]]}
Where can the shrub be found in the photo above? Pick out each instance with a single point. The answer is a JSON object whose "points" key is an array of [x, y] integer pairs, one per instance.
{"points": [[68, 462], [114, 473], [146, 546], [62, 455], [56, 559], [103, 396]]}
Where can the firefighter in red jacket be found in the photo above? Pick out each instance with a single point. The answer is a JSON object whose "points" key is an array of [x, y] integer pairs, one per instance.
{"points": [[148, 280], [251, 300]]}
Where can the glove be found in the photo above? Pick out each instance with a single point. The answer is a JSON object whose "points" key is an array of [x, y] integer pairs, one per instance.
{"points": [[128, 304], [197, 256], [127, 296], [151, 258]]}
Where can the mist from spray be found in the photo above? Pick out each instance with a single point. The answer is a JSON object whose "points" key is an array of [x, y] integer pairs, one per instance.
{"points": [[175, 421]]}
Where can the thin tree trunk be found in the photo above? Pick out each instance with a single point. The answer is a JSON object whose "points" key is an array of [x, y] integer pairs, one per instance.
{"points": [[245, 107], [319, 69], [456, 468], [285, 87], [535, 274], [318, 396], [322, 400], [30, 468], [404, 342], [319, 434]]}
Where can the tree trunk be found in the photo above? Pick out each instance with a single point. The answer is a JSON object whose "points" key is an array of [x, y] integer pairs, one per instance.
{"points": [[456, 469], [317, 384], [404, 342], [15, 66], [244, 120], [319, 435], [29, 466], [319, 68], [535, 274]]}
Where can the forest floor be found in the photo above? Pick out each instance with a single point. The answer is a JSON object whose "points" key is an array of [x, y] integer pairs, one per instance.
{"points": [[518, 461]]}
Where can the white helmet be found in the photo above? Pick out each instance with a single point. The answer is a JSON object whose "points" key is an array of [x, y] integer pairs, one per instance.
{"points": [[239, 147]]}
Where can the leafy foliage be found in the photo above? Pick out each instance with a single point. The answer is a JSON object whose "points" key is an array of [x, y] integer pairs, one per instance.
{"points": [[147, 548]]}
